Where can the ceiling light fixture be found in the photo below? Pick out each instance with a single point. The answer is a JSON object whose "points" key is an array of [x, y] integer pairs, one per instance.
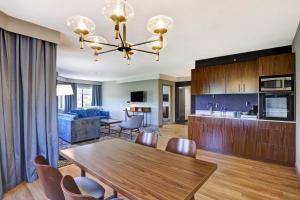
{"points": [[120, 12]]}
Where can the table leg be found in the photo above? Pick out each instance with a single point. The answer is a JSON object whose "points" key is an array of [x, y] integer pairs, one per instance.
{"points": [[82, 173], [109, 132]]}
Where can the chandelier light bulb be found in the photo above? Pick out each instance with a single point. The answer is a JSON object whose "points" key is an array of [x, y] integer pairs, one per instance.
{"points": [[80, 25], [94, 42], [157, 45], [118, 11], [160, 24]]}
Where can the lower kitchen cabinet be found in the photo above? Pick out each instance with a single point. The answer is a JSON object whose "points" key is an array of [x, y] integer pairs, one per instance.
{"points": [[262, 140]]}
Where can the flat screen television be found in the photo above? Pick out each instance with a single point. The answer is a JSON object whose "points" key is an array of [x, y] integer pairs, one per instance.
{"points": [[137, 96]]}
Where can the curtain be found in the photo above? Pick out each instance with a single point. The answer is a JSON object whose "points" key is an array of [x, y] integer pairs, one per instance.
{"points": [[97, 95], [28, 107], [71, 100]]}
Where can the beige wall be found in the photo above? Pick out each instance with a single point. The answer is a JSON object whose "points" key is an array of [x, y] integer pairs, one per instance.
{"points": [[115, 95], [29, 29], [296, 49]]}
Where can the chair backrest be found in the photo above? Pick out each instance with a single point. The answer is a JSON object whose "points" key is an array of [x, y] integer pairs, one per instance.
{"points": [[147, 139], [71, 190], [182, 146], [50, 178], [135, 121]]}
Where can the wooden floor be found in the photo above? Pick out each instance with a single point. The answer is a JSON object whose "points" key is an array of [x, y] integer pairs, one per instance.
{"points": [[235, 178]]}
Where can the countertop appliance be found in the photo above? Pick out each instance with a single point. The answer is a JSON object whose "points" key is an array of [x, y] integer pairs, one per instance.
{"points": [[277, 106], [276, 83]]}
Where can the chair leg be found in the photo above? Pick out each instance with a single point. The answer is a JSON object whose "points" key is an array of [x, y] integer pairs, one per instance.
{"points": [[130, 134], [115, 194], [120, 132]]}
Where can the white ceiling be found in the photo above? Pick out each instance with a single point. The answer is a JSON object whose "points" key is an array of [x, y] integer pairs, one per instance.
{"points": [[202, 29]]}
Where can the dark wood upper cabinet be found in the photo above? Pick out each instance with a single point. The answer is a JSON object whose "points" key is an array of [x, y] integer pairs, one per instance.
{"points": [[250, 80], [215, 76], [242, 78], [277, 65]]}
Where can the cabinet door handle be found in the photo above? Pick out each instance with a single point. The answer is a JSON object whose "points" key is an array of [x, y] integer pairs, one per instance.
{"points": [[239, 87]]}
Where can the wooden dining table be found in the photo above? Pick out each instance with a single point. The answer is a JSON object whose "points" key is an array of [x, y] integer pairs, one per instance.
{"points": [[140, 172]]}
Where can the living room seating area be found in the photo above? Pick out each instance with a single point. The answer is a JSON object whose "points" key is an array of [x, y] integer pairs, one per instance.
{"points": [[81, 124]]}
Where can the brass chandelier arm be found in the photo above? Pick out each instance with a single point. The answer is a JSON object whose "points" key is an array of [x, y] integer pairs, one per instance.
{"points": [[106, 44], [124, 45], [107, 51], [144, 51], [147, 42]]}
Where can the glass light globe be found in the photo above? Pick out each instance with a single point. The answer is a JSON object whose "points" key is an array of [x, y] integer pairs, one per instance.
{"points": [[156, 45], [118, 11], [95, 44], [160, 24], [81, 25]]}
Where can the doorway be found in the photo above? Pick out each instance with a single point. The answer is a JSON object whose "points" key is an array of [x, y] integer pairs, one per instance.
{"points": [[183, 103], [166, 106]]}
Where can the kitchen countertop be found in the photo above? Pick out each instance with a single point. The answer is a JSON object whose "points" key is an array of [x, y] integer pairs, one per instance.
{"points": [[237, 118]]}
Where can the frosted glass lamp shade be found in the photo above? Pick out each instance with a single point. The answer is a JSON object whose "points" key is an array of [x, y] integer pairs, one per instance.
{"points": [[95, 45], [118, 11], [64, 90], [157, 45], [160, 24], [81, 25]]}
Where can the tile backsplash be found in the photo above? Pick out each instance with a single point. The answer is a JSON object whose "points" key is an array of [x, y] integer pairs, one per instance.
{"points": [[232, 102]]}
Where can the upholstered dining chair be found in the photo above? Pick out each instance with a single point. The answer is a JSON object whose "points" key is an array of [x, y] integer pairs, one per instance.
{"points": [[134, 123], [51, 177], [147, 139], [182, 146], [72, 191]]}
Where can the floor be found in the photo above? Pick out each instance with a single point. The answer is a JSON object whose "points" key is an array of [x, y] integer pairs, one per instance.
{"points": [[235, 178]]}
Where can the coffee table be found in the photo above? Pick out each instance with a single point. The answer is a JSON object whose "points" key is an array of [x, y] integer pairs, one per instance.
{"points": [[108, 122]]}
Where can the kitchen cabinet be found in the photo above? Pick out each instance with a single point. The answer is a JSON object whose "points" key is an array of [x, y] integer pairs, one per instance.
{"points": [[261, 140], [282, 64], [242, 78], [208, 80]]}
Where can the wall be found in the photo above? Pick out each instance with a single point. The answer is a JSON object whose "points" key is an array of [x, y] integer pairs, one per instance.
{"points": [[29, 29], [296, 49], [232, 102], [115, 96]]}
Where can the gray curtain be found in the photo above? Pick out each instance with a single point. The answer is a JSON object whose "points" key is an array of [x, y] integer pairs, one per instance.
{"points": [[71, 100], [28, 107], [97, 95]]}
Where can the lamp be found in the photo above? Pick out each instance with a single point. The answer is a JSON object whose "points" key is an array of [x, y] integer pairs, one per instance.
{"points": [[120, 12], [64, 90]]}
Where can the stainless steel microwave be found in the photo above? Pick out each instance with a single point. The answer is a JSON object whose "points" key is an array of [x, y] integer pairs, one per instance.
{"points": [[277, 83]]}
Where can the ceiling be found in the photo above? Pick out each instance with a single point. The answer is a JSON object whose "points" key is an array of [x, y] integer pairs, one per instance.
{"points": [[202, 29]]}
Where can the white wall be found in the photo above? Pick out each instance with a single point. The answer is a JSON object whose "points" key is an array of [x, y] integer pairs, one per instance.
{"points": [[296, 49], [115, 95]]}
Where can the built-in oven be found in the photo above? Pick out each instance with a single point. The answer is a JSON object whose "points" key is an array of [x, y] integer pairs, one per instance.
{"points": [[276, 83], [276, 106]]}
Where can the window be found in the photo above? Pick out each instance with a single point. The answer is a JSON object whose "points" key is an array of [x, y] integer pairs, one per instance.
{"points": [[84, 96], [61, 103]]}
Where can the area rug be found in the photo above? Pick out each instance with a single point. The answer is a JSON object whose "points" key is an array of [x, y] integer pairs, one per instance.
{"points": [[62, 162]]}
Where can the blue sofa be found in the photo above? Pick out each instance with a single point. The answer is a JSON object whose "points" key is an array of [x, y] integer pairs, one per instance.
{"points": [[80, 125]]}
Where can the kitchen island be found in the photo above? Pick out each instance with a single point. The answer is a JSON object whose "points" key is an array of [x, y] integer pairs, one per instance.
{"points": [[266, 140]]}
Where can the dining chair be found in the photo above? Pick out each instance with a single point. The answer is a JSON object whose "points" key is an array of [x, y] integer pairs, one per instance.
{"points": [[72, 191], [147, 139], [134, 123], [182, 146], [51, 177]]}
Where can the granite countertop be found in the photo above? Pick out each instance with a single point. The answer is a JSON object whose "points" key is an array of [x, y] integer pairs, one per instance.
{"points": [[229, 115]]}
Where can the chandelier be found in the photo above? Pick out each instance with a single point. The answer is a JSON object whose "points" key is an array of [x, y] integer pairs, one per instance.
{"points": [[120, 12]]}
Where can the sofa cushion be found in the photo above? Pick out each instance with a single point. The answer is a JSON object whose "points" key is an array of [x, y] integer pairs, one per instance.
{"points": [[92, 112], [80, 113]]}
